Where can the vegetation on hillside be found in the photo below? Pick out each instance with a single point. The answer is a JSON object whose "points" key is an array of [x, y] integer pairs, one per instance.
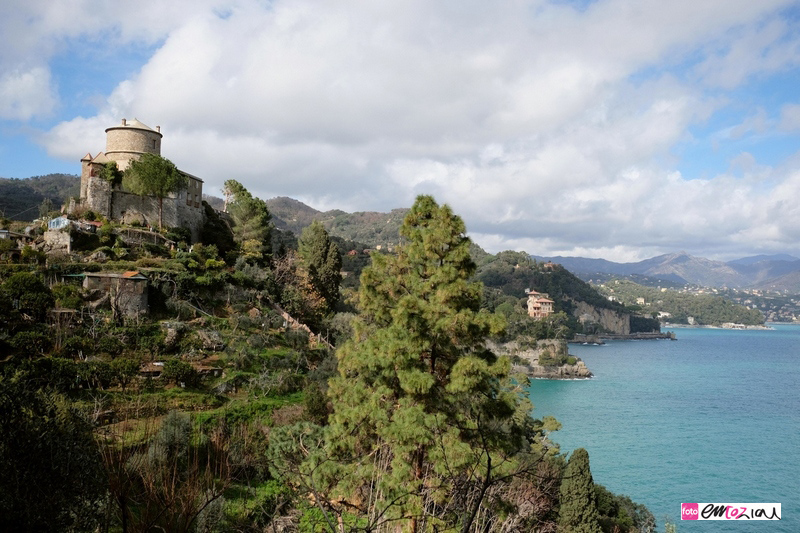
{"points": [[20, 198], [507, 276], [706, 309], [258, 393]]}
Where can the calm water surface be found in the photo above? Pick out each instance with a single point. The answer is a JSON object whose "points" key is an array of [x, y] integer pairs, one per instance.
{"points": [[711, 417]]}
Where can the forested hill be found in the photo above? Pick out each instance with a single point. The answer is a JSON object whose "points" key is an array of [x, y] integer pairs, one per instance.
{"points": [[514, 272], [509, 272], [369, 227], [20, 198]]}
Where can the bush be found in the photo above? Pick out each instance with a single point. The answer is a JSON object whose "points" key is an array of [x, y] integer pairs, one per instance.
{"points": [[297, 339], [124, 370], [315, 404], [109, 344], [29, 255], [31, 343], [150, 262], [82, 241], [180, 372], [67, 296], [76, 346]]}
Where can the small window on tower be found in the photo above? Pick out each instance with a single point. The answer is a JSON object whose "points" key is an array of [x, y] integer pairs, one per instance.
{"points": [[154, 144]]}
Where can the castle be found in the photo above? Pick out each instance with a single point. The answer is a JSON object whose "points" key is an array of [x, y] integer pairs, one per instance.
{"points": [[125, 143]]}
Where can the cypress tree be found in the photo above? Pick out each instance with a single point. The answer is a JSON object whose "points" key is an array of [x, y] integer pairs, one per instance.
{"points": [[578, 512], [424, 416]]}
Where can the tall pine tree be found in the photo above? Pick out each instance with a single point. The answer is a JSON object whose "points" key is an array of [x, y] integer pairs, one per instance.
{"points": [[426, 420], [323, 261], [578, 512], [251, 222]]}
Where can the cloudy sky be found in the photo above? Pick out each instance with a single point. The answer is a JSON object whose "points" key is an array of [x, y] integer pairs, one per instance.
{"points": [[619, 129]]}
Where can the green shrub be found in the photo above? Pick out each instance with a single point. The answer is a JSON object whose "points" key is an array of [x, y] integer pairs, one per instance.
{"points": [[31, 343], [150, 262], [179, 234], [109, 344], [297, 339], [76, 346], [67, 296], [180, 372], [82, 241]]}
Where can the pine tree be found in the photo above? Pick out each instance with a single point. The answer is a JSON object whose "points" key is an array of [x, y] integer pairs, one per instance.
{"points": [[157, 176], [578, 512], [425, 419], [323, 262], [251, 218]]}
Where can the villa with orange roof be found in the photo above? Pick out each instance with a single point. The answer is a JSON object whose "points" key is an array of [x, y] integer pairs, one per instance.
{"points": [[539, 305]]}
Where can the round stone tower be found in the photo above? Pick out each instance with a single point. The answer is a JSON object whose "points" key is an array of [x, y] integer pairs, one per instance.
{"points": [[130, 140]]}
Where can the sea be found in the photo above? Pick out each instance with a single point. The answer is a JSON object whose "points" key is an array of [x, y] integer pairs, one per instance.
{"points": [[712, 417]]}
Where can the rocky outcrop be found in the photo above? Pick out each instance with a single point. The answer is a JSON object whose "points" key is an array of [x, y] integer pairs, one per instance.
{"points": [[528, 359], [576, 371], [611, 321]]}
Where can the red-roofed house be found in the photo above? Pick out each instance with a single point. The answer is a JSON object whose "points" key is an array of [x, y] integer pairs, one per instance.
{"points": [[539, 305]]}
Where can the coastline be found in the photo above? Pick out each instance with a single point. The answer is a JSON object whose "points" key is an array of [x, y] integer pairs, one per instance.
{"points": [[724, 326], [600, 338]]}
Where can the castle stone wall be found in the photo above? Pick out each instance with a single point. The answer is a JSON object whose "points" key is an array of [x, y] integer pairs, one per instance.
{"points": [[129, 207], [98, 196]]}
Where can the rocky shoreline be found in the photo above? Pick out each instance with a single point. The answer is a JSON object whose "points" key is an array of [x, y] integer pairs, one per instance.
{"points": [[577, 371], [526, 360], [602, 337]]}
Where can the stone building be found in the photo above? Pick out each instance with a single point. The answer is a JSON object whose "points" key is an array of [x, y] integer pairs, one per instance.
{"points": [[127, 290], [539, 305], [124, 143]]}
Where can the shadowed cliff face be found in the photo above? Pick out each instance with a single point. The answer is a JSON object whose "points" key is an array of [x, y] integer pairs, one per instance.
{"points": [[609, 320]]}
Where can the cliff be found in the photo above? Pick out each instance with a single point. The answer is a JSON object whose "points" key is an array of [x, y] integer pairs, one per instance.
{"points": [[609, 320]]}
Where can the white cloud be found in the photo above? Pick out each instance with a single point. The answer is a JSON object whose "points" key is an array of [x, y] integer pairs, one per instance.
{"points": [[26, 94], [790, 118], [755, 49], [545, 127]]}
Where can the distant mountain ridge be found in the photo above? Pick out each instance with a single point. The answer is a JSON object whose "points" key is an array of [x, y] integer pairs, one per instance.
{"points": [[768, 272], [760, 271]]}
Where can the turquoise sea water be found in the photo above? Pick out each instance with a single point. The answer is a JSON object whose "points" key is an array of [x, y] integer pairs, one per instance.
{"points": [[711, 417]]}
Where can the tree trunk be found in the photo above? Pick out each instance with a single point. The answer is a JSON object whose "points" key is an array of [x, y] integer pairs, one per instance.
{"points": [[160, 213]]}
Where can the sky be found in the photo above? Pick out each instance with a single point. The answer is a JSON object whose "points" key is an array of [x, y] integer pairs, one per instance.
{"points": [[619, 129]]}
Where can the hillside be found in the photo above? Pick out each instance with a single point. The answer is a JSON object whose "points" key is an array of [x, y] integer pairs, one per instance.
{"points": [[705, 308], [20, 198], [368, 227], [788, 283], [153, 387], [512, 273], [683, 269]]}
